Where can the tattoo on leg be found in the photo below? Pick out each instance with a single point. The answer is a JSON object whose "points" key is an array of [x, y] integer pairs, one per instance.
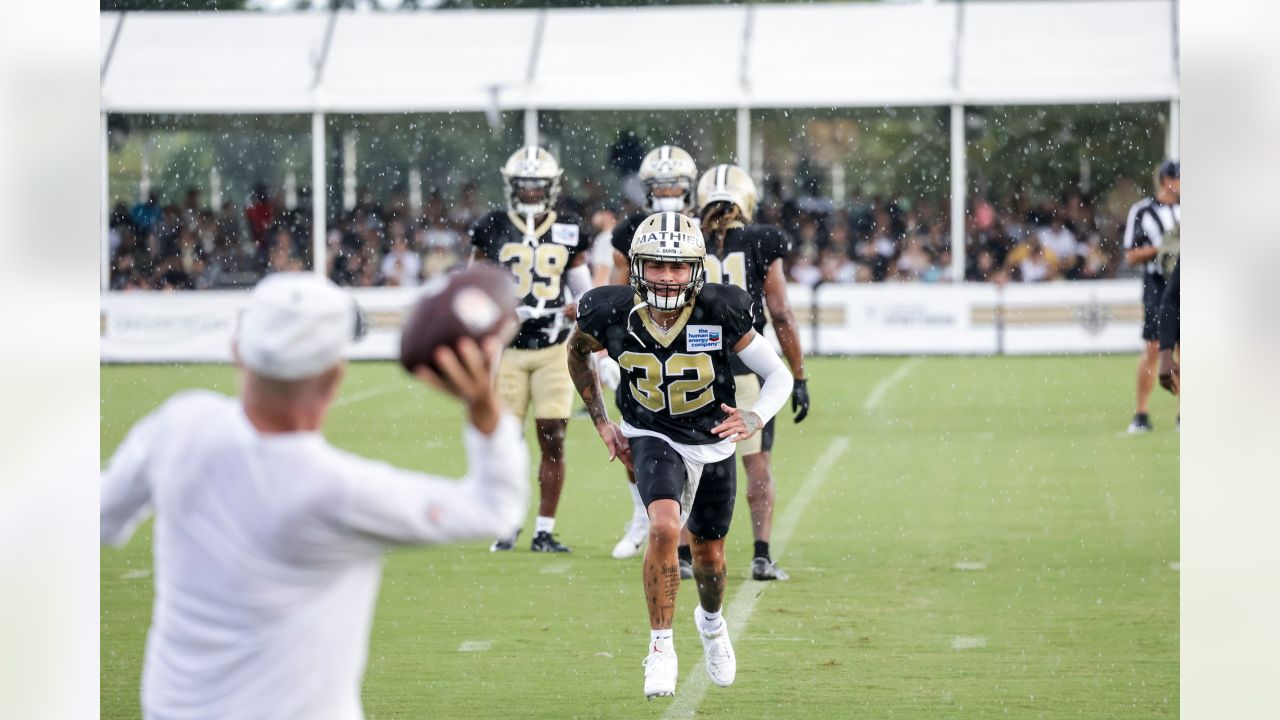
{"points": [[711, 584], [660, 591]]}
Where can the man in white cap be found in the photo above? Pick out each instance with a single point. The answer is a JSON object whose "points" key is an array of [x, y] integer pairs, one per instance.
{"points": [[268, 541]]}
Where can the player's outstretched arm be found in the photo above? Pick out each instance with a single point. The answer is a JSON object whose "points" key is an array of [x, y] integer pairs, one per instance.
{"points": [[582, 370], [395, 506], [784, 325], [125, 499]]}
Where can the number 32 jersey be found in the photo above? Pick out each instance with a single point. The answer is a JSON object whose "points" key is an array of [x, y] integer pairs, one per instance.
{"points": [[538, 267], [674, 381]]}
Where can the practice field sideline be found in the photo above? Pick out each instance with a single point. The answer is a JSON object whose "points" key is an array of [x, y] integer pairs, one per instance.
{"points": [[971, 537]]}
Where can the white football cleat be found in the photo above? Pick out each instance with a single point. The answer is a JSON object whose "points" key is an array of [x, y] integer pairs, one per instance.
{"points": [[660, 670], [633, 539], [722, 664]]}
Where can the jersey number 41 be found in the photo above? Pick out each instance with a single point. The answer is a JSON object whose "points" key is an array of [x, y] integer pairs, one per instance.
{"points": [[730, 271]]}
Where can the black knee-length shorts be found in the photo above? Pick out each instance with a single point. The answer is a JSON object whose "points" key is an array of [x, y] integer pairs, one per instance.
{"points": [[660, 475]]}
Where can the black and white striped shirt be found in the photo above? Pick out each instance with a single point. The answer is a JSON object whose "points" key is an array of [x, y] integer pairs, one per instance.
{"points": [[1153, 224]]}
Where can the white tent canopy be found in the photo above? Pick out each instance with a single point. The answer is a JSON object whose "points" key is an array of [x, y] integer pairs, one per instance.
{"points": [[852, 55], [1055, 52], [744, 56], [830, 55]]}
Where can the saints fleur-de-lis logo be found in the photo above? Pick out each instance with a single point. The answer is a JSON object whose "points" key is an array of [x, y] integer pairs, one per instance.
{"points": [[1094, 316]]}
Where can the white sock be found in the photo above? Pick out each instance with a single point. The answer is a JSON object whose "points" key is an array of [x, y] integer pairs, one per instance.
{"points": [[640, 512], [709, 622], [662, 638], [544, 524]]}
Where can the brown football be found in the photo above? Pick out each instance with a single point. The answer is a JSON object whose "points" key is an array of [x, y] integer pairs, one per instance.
{"points": [[476, 303]]}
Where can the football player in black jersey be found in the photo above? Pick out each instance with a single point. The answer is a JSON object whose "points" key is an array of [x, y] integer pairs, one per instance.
{"points": [[674, 337], [1151, 241], [546, 252], [668, 174], [750, 257]]}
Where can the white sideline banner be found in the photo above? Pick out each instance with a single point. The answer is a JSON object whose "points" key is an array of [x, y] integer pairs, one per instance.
{"points": [[1082, 317], [893, 319], [1071, 317], [198, 326], [883, 319]]}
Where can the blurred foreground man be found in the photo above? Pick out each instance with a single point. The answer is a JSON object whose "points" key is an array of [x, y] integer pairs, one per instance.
{"points": [[268, 541]]}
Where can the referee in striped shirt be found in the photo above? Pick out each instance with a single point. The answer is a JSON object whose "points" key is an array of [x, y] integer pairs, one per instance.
{"points": [[1151, 242]]}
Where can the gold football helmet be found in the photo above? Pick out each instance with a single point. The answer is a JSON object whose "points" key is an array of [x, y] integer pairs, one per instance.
{"points": [[728, 183], [669, 167], [668, 237], [535, 174]]}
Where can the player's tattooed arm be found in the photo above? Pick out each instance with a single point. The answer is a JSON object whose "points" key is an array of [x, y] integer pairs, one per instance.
{"points": [[581, 346]]}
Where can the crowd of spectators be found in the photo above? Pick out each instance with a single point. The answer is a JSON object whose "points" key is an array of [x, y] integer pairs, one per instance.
{"points": [[187, 245]]}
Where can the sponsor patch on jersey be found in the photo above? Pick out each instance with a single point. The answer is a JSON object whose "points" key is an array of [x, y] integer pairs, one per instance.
{"points": [[564, 234], [703, 337]]}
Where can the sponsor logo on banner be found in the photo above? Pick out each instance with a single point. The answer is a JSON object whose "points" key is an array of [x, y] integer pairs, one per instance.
{"points": [[703, 337], [564, 234]]}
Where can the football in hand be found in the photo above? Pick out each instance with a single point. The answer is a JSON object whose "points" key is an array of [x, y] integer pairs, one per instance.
{"points": [[478, 302]]}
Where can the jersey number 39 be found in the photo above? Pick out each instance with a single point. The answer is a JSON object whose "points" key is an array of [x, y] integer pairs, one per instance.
{"points": [[688, 377], [536, 268]]}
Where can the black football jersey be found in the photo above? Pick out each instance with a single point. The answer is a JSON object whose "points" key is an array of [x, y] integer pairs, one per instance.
{"points": [[744, 262], [624, 231], [675, 381], [745, 259], [538, 264]]}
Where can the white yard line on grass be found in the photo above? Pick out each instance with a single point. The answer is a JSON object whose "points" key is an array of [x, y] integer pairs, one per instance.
{"points": [[690, 693], [363, 395], [878, 392]]}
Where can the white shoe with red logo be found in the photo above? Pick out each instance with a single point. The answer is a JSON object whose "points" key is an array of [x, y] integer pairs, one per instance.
{"points": [[660, 670]]}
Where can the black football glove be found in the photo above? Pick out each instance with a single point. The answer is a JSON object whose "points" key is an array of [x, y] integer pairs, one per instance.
{"points": [[800, 399]]}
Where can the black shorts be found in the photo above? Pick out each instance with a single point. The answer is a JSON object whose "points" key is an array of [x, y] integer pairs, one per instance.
{"points": [[660, 475], [1152, 292]]}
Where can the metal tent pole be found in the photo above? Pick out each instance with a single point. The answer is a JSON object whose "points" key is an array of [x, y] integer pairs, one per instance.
{"points": [[958, 188], [319, 196], [105, 250]]}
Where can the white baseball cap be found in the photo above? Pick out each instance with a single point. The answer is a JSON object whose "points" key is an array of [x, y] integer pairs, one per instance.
{"points": [[297, 325]]}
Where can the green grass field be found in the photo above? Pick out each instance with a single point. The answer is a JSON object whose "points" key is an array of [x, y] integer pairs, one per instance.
{"points": [[967, 538]]}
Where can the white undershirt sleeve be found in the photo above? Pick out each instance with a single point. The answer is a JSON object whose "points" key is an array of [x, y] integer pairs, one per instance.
{"points": [[761, 359], [579, 281], [125, 499], [398, 506]]}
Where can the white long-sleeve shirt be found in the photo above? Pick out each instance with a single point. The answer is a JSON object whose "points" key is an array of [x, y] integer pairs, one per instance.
{"points": [[268, 552]]}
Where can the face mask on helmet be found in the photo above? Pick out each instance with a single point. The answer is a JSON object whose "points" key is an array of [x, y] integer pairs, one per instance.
{"points": [[530, 195], [669, 196], [666, 293]]}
